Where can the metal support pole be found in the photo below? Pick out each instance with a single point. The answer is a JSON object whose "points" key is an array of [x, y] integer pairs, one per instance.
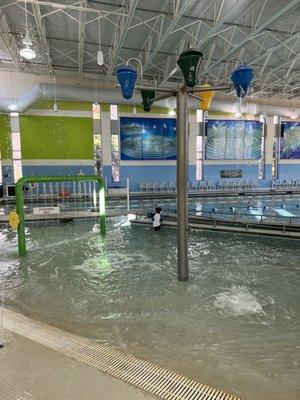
{"points": [[195, 96], [155, 88], [182, 193], [127, 195], [209, 88], [163, 96]]}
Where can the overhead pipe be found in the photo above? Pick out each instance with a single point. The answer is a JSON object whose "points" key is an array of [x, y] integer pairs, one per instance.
{"points": [[209, 89], [194, 96], [164, 96], [45, 91]]}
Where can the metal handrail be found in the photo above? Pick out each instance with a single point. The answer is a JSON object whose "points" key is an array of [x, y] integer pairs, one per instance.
{"points": [[235, 215]]}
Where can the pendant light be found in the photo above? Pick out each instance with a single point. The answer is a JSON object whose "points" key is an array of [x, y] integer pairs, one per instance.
{"points": [[100, 59], [27, 52], [55, 106]]}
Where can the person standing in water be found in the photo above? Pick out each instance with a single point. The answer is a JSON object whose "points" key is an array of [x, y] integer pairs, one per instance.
{"points": [[157, 219]]}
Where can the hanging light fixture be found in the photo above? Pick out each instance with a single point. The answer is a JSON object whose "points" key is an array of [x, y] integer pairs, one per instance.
{"points": [[55, 106], [293, 114], [100, 58], [27, 52]]}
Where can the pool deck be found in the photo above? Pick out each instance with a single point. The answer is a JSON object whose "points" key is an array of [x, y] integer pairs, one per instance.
{"points": [[40, 361], [69, 215], [29, 370]]}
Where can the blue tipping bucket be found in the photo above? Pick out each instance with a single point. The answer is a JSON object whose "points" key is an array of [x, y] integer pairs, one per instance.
{"points": [[241, 78], [127, 76]]}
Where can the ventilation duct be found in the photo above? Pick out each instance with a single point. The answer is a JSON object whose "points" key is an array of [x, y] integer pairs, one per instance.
{"points": [[42, 92]]}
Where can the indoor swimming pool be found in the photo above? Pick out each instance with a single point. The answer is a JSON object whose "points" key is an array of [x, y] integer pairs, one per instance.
{"points": [[234, 325]]}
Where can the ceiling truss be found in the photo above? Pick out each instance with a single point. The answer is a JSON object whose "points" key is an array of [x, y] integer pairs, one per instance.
{"points": [[244, 31]]}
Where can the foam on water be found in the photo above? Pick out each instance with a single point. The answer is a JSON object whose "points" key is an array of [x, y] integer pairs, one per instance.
{"points": [[238, 301]]}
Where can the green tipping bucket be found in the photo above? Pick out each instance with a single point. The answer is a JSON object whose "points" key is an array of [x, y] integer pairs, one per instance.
{"points": [[188, 62], [147, 96]]}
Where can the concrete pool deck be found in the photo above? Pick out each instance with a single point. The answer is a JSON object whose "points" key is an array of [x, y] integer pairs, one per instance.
{"points": [[29, 370], [40, 361]]}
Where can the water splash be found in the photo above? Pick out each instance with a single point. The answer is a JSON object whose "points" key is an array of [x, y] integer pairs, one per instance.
{"points": [[238, 301]]}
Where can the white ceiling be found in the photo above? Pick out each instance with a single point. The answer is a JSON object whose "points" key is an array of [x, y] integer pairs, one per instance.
{"points": [[262, 33]]}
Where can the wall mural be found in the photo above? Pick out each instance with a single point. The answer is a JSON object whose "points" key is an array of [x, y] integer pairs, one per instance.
{"points": [[148, 138], [233, 140], [290, 140]]}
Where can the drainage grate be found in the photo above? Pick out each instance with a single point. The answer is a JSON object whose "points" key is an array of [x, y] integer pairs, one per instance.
{"points": [[144, 375]]}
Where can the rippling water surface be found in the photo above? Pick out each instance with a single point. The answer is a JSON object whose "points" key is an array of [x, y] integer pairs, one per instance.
{"points": [[234, 325]]}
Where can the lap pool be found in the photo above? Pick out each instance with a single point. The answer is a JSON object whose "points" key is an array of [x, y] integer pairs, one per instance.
{"points": [[234, 325]]}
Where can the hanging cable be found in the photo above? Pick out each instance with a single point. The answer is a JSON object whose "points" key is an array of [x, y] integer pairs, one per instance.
{"points": [[96, 93], [26, 22]]}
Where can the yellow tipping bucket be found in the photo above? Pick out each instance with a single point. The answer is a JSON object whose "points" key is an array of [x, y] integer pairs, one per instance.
{"points": [[206, 98]]}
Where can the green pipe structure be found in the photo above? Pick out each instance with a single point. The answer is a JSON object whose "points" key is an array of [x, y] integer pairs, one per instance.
{"points": [[35, 179]]}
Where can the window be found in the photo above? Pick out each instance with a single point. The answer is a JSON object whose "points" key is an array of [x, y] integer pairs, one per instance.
{"points": [[113, 112], [199, 158], [115, 157], [98, 153], [17, 165], [16, 147]]}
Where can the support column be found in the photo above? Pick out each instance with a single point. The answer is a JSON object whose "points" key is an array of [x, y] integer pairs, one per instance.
{"points": [[182, 192]]}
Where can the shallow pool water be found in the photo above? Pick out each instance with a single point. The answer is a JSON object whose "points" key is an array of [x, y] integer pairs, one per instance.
{"points": [[234, 325]]}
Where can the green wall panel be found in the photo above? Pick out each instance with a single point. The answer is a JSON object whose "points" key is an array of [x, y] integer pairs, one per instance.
{"points": [[5, 137], [56, 137]]}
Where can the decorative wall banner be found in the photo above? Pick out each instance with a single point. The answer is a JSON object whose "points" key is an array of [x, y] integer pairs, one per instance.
{"points": [[231, 173], [233, 140], [148, 138], [290, 140]]}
